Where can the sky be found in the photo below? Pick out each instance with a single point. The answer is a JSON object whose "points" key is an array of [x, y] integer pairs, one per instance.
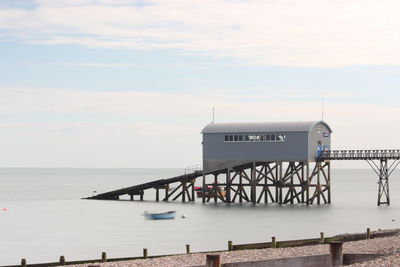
{"points": [[131, 84]]}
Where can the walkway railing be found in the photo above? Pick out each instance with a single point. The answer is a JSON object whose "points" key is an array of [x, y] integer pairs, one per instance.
{"points": [[359, 154], [383, 169]]}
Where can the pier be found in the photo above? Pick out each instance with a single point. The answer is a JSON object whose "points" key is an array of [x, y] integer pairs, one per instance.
{"points": [[383, 162], [267, 182], [185, 189], [267, 162]]}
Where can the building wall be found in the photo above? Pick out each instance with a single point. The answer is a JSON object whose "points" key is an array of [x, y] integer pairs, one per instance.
{"points": [[318, 133], [218, 154], [299, 146]]}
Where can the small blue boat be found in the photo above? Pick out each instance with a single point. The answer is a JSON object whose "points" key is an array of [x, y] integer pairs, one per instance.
{"points": [[160, 216]]}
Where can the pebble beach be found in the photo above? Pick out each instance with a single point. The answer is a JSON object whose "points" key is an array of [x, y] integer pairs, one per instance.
{"points": [[388, 246]]}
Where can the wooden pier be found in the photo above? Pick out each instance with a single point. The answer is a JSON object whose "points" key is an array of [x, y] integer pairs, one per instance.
{"points": [[271, 182], [268, 182], [184, 190], [383, 162]]}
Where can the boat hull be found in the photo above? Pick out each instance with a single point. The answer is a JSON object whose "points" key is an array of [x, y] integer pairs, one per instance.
{"points": [[161, 216]]}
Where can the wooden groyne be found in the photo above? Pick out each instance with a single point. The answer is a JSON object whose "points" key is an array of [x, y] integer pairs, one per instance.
{"points": [[231, 247], [317, 241]]}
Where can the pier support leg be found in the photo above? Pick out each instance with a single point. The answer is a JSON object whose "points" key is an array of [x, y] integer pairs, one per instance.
{"points": [[318, 183], [166, 193], [193, 193], [203, 189], [253, 182], [280, 182], [308, 184], [228, 186], [240, 188], [292, 171], [266, 188], [383, 191], [383, 171], [184, 192], [215, 188], [329, 183], [276, 182]]}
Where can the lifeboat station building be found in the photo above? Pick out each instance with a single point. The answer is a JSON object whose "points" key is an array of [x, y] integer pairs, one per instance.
{"points": [[266, 162]]}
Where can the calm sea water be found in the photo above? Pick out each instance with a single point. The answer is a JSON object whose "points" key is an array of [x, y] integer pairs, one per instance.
{"points": [[45, 217]]}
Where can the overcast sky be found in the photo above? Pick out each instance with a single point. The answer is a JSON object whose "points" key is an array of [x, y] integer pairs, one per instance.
{"points": [[86, 83]]}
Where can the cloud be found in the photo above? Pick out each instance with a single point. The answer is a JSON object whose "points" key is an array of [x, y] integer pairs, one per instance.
{"points": [[138, 103], [44, 127], [311, 33], [87, 64]]}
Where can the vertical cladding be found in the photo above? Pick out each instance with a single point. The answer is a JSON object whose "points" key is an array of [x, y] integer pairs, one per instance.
{"points": [[298, 146], [320, 134]]}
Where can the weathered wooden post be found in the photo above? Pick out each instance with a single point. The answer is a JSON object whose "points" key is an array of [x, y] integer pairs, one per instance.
{"points": [[213, 261], [145, 253], [62, 260], [230, 246], [187, 249], [23, 263], [193, 191], [322, 240], [273, 243], [103, 257], [368, 233], [184, 188], [336, 252], [215, 187]]}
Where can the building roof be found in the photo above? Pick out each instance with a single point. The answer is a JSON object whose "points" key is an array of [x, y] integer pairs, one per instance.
{"points": [[246, 127]]}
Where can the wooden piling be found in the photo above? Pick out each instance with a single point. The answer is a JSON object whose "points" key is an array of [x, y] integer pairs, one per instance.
{"points": [[62, 260], [145, 253], [103, 257], [184, 188], [273, 243], [215, 187], [203, 189], [187, 249], [23, 263], [336, 253], [166, 193], [193, 191], [368, 233], [322, 240], [228, 186], [213, 261], [230, 246]]}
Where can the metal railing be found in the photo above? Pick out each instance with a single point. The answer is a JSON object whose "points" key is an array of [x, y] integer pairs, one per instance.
{"points": [[358, 154]]}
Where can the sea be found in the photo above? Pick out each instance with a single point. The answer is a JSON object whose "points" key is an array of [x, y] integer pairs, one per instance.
{"points": [[43, 215]]}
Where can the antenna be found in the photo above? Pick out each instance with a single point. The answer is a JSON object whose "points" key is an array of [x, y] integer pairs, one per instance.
{"points": [[323, 107], [213, 115]]}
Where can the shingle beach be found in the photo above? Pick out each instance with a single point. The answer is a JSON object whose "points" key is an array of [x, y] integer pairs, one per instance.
{"points": [[389, 246]]}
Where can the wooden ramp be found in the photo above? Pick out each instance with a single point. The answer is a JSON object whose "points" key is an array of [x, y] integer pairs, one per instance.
{"points": [[186, 184]]}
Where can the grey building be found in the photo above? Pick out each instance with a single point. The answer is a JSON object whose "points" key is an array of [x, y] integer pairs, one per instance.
{"points": [[226, 145]]}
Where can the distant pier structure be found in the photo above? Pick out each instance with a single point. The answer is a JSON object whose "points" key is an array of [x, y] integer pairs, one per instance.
{"points": [[274, 162], [267, 162]]}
